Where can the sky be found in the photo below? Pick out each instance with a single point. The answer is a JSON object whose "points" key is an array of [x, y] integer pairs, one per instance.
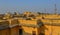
{"points": [[44, 6]]}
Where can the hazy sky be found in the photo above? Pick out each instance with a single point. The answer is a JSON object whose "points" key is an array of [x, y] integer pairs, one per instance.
{"points": [[29, 5]]}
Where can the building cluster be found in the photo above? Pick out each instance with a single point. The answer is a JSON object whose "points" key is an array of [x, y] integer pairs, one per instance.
{"points": [[29, 23]]}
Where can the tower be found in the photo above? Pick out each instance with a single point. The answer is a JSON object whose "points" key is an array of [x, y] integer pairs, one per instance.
{"points": [[55, 9]]}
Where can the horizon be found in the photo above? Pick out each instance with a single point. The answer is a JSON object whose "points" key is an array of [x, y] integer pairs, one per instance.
{"points": [[29, 5]]}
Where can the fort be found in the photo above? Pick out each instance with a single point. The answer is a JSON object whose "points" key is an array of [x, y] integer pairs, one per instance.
{"points": [[29, 23]]}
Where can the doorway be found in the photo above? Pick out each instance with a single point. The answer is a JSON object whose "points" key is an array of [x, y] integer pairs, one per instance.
{"points": [[20, 32], [33, 32]]}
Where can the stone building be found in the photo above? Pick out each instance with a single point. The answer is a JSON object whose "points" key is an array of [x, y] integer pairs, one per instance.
{"points": [[46, 24]]}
